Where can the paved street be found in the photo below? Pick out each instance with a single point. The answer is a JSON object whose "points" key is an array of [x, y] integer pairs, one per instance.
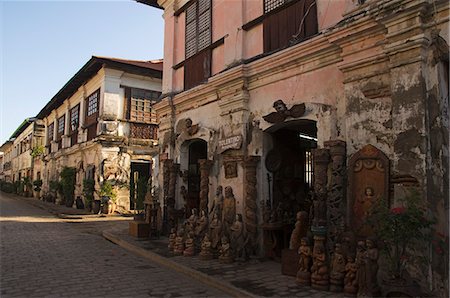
{"points": [[42, 255]]}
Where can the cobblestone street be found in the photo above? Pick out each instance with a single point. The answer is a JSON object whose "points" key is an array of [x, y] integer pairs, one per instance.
{"points": [[42, 255]]}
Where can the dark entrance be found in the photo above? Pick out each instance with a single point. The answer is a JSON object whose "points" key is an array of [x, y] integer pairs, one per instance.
{"points": [[143, 170], [290, 180], [290, 162], [197, 150]]}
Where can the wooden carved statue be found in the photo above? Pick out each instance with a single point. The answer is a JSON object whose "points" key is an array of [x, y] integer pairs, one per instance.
{"points": [[304, 263], [172, 237], [371, 268], [300, 230], [282, 112], [217, 202], [360, 264], [337, 269], [215, 231], [206, 251], [179, 243], [238, 238], [201, 226], [229, 210], [189, 247], [319, 268], [191, 222], [225, 251], [350, 282]]}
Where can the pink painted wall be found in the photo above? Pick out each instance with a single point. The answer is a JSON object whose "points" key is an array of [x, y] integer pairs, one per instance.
{"points": [[239, 44]]}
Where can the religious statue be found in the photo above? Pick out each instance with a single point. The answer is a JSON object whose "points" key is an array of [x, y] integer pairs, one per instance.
{"points": [[190, 128], [350, 282], [337, 269], [361, 211], [217, 203], [189, 248], [371, 268], [201, 226], [238, 238], [225, 251], [299, 231], [361, 273], [206, 251], [179, 243], [319, 206], [304, 262], [229, 210], [215, 231], [172, 237], [191, 221], [319, 269]]}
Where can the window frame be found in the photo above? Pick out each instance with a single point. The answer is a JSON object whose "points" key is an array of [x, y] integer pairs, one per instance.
{"points": [[151, 101], [197, 25], [91, 118]]}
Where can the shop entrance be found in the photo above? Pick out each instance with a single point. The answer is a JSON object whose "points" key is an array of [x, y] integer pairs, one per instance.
{"points": [[197, 151], [142, 171], [290, 178]]}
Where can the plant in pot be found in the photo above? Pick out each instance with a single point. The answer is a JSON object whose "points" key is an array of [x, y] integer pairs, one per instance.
{"points": [[37, 186], [402, 229], [108, 196], [88, 192], [68, 176], [55, 188], [27, 186]]}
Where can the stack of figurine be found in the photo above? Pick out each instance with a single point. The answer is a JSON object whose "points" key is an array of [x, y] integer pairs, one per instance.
{"points": [[354, 274], [220, 234]]}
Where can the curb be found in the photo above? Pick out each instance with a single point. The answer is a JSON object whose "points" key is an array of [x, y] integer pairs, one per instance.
{"points": [[206, 279]]}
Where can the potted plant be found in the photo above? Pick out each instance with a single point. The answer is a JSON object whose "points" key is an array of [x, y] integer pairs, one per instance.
{"points": [[108, 196], [55, 188], [401, 229], [88, 192], [27, 186], [37, 187]]}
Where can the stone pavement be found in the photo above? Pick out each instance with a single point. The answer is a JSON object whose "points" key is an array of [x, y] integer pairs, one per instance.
{"points": [[261, 278], [45, 256]]}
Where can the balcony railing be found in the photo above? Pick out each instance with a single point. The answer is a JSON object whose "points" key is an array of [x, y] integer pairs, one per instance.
{"points": [[143, 131]]}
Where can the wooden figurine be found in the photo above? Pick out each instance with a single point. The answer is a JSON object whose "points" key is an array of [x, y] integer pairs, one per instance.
{"points": [[217, 203], [319, 269], [238, 238], [350, 282], [172, 237], [215, 231], [360, 264], [304, 263], [179, 243], [225, 251], [189, 248], [229, 210], [337, 269], [206, 251], [299, 231], [371, 268]]}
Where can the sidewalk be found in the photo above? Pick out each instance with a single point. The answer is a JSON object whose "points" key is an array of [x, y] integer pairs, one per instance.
{"points": [[261, 278]]}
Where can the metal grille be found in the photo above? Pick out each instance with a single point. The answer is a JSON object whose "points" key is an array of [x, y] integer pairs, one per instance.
{"points": [[74, 118], [270, 5], [198, 27], [141, 105]]}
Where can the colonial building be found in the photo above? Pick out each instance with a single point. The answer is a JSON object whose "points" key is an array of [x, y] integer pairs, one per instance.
{"points": [[102, 123], [18, 158], [306, 102]]}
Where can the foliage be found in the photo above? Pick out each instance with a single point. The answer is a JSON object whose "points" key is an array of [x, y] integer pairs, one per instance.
{"points": [[400, 229], [55, 186], [142, 186], [68, 176], [88, 190], [27, 183], [37, 151], [18, 187], [107, 190], [7, 187], [37, 185]]}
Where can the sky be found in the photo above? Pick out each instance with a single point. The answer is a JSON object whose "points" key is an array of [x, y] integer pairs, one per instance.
{"points": [[44, 43]]}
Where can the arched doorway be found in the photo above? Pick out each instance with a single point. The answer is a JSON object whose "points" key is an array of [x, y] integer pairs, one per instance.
{"points": [[198, 149], [290, 166]]}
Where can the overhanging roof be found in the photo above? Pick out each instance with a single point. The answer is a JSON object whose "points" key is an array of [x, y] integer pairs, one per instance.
{"points": [[153, 3], [22, 127], [145, 68]]}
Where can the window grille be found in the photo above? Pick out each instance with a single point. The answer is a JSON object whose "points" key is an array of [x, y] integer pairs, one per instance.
{"points": [[270, 5], [74, 117], [61, 121], [92, 107], [308, 168]]}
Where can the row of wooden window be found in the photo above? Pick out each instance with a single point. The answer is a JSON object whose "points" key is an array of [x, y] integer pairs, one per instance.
{"points": [[139, 106], [285, 22]]}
